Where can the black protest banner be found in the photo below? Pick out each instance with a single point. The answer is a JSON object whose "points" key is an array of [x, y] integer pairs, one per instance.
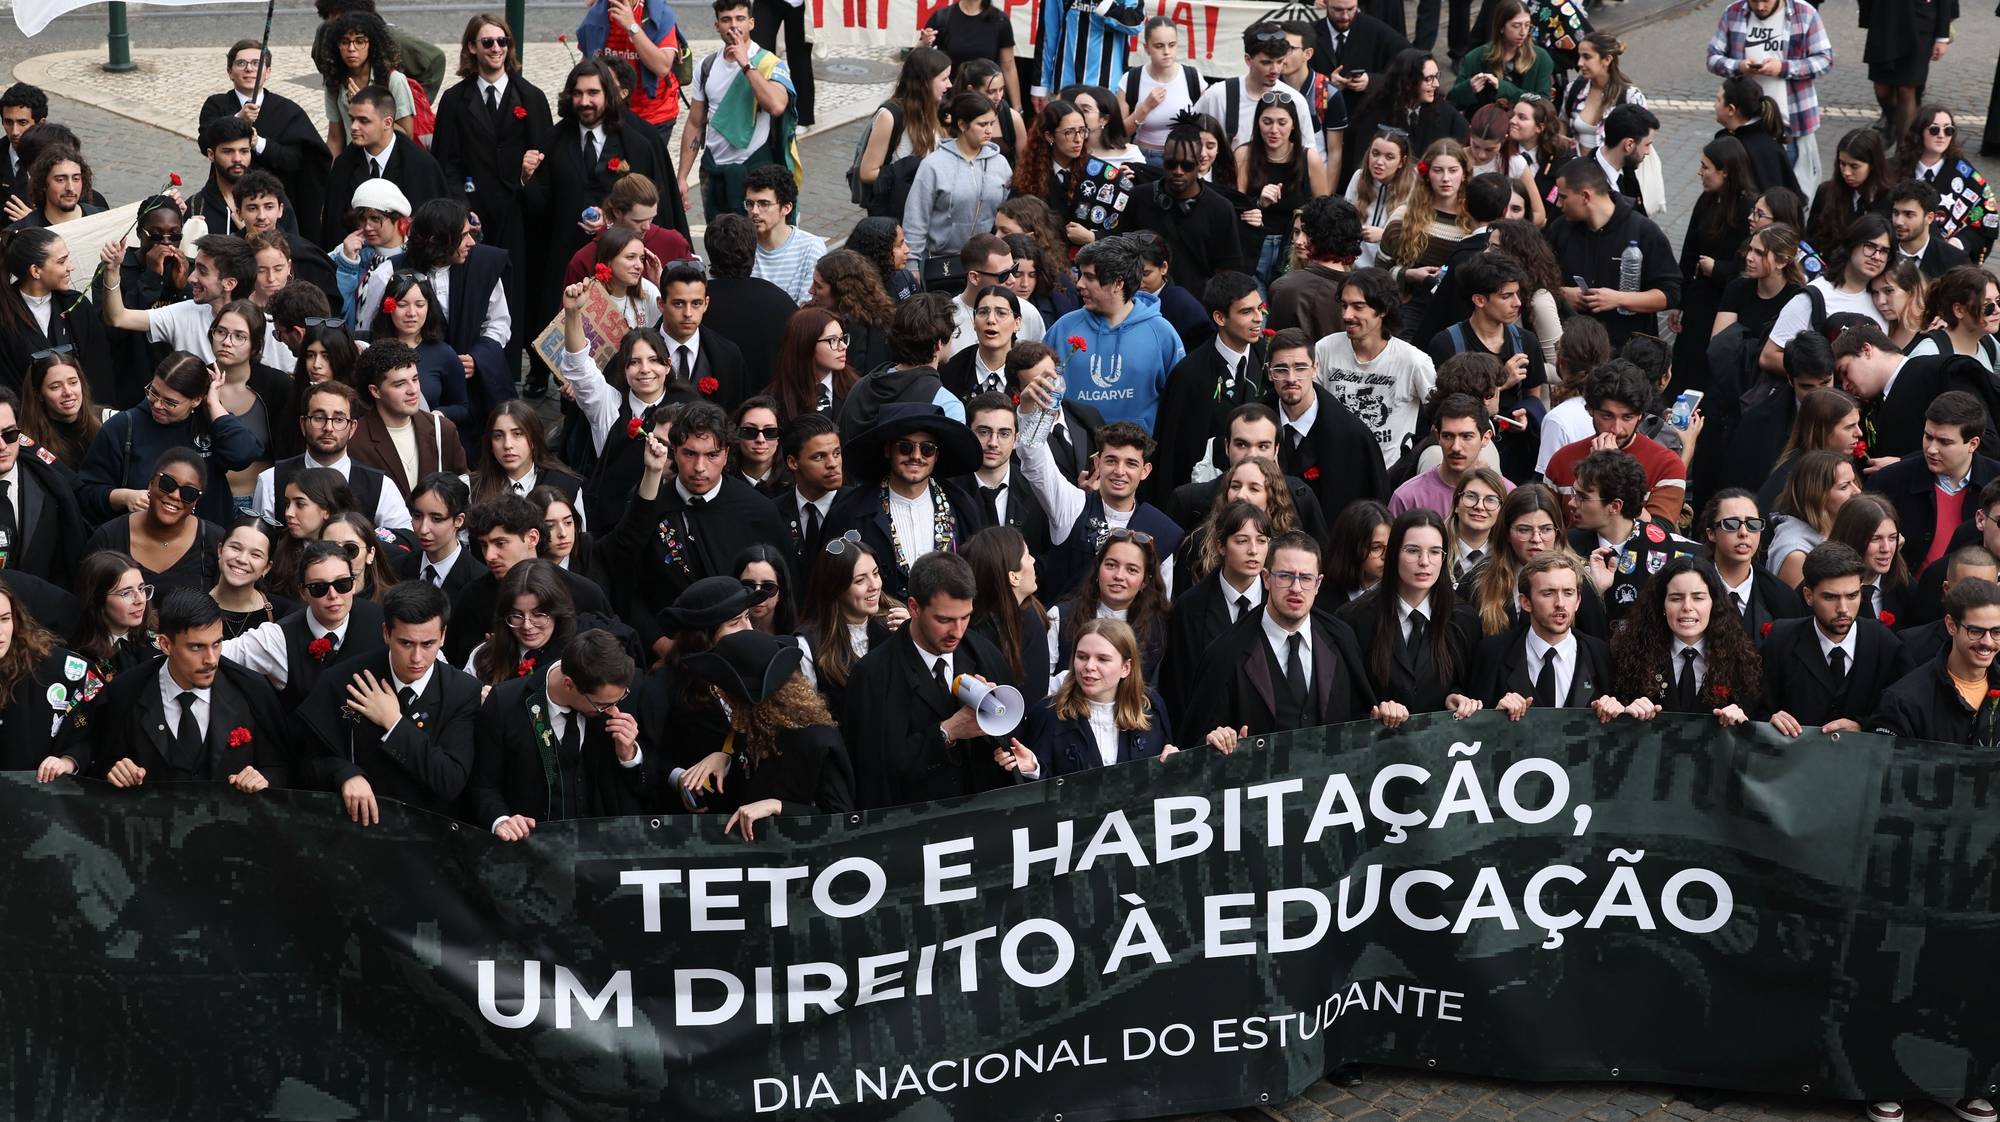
{"points": [[1548, 900]]}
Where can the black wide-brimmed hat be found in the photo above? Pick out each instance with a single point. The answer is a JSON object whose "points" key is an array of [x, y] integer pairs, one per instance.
{"points": [[747, 664], [958, 449], [708, 603]]}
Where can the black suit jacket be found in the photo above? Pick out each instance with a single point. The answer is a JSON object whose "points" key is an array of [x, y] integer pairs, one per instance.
{"points": [[747, 311], [1235, 688], [1939, 256], [472, 144], [507, 772], [473, 607], [860, 509], [410, 168], [805, 547], [1771, 600], [50, 528], [1193, 412], [1334, 458], [562, 187], [1925, 705], [294, 151], [1500, 667], [1798, 681], [1025, 511], [1912, 489], [425, 760], [718, 358], [1371, 44], [1898, 420], [892, 710], [128, 721], [1064, 747], [649, 573], [1201, 615], [1190, 503], [1080, 422], [1413, 678]]}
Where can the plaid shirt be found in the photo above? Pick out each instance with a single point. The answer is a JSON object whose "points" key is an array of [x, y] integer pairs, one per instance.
{"points": [[1808, 54]]}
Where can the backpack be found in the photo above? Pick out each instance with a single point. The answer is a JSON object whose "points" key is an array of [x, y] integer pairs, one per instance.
{"points": [[683, 60], [885, 196], [423, 118], [1189, 75]]}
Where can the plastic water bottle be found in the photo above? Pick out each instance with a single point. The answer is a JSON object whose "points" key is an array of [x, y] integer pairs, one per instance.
{"points": [[1630, 264]]}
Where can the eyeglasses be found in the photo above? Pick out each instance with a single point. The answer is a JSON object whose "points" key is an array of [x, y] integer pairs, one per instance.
{"points": [[1286, 579], [1287, 370], [764, 587], [243, 64], [1942, 130], [58, 349], [516, 619], [927, 449], [996, 311], [318, 589], [137, 595], [1180, 165], [167, 485], [167, 400], [756, 432], [1979, 634], [488, 43], [1483, 502], [225, 335], [329, 420], [1733, 524], [354, 41], [849, 540], [760, 204], [597, 708], [1075, 132], [837, 342], [1870, 249], [1429, 79]]}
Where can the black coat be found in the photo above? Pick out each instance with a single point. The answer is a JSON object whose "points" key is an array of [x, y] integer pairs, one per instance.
{"points": [[127, 721], [79, 325], [1201, 615], [892, 711], [562, 187], [1200, 233], [1414, 678], [50, 530], [1925, 705], [811, 774], [1771, 600], [1338, 458], [1371, 45], [1194, 411], [1025, 511], [410, 168], [508, 775], [425, 760], [749, 312], [1500, 667], [410, 566], [648, 573], [805, 548], [473, 145], [1064, 747], [473, 607], [1798, 681], [294, 150], [861, 508], [1753, 448], [1898, 420], [33, 710], [1236, 687], [1912, 489], [1190, 503]]}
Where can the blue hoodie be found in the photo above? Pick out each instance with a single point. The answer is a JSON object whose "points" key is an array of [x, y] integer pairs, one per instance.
{"points": [[1121, 370]]}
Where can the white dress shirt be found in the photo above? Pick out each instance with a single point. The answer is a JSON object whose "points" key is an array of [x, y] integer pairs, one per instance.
{"points": [[1279, 641], [1563, 652], [262, 648], [170, 703], [391, 513]]}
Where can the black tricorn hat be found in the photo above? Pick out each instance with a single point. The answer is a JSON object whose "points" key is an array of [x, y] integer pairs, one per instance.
{"points": [[708, 603], [958, 449], [747, 664]]}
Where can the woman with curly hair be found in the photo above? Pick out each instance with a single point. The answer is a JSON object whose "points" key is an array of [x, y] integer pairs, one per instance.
{"points": [[1256, 480], [813, 373], [1123, 584], [1102, 714], [1005, 608], [1868, 525], [1416, 640], [789, 757], [1052, 160], [846, 284], [1531, 523], [56, 409], [1421, 236], [351, 53], [1683, 650], [1408, 96], [534, 617], [1537, 136], [32, 666], [880, 240]]}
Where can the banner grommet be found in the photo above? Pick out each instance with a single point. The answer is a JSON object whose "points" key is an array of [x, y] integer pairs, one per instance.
{"points": [[656, 824], [1614, 1073]]}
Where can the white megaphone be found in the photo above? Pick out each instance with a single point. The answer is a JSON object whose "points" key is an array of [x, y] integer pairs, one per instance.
{"points": [[999, 708]]}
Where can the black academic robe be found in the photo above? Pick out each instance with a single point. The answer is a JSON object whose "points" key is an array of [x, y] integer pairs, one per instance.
{"points": [[1771, 600], [38, 703], [411, 168], [1025, 511], [747, 310], [1065, 747], [294, 150], [471, 286], [1241, 676], [49, 526], [1193, 412], [1500, 667], [810, 774], [659, 548], [78, 324], [1912, 489], [1201, 615], [1925, 705], [473, 609], [1371, 44], [510, 777], [891, 713], [246, 728], [1897, 421], [1333, 458], [1190, 504], [1798, 680], [562, 188], [425, 760], [864, 509], [481, 154], [1414, 678]]}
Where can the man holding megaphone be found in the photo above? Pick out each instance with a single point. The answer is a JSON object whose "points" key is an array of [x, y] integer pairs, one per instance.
{"points": [[910, 730]]}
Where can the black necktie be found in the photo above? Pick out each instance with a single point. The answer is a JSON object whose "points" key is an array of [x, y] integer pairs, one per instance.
{"points": [[1836, 661], [1235, 376], [406, 697], [1545, 682], [1339, 42], [1295, 667], [681, 363], [937, 672], [1628, 186], [696, 502], [1472, 557], [187, 734], [1293, 438], [431, 575], [1868, 601], [1930, 174], [1242, 607], [825, 396], [9, 529], [812, 522], [493, 101], [1418, 623], [989, 498], [589, 151], [572, 737], [374, 168], [1687, 691], [1060, 446], [1736, 600]]}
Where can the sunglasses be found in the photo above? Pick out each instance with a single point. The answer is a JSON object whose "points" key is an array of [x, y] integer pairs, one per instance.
{"points": [[490, 42], [1991, 307], [319, 588], [1000, 276], [58, 349], [765, 587], [167, 485], [324, 321], [928, 449], [1942, 130], [1136, 537], [1180, 165], [161, 235], [352, 549], [755, 432], [849, 540], [1392, 131], [9, 435], [1733, 524]]}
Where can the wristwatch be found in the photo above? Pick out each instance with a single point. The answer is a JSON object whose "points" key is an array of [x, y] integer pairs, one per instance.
{"points": [[945, 736]]}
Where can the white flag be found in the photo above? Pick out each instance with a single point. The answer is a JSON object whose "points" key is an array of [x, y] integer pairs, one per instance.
{"points": [[33, 15]]}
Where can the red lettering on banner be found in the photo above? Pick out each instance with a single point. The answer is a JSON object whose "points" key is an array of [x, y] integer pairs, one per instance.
{"points": [[882, 16], [1209, 16]]}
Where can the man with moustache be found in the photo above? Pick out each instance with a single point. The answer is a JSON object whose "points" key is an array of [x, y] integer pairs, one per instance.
{"points": [[1828, 670], [228, 144], [283, 140], [1543, 660], [810, 444], [902, 508]]}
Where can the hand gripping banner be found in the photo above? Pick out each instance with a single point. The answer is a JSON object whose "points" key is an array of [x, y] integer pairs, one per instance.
{"points": [[1552, 900]]}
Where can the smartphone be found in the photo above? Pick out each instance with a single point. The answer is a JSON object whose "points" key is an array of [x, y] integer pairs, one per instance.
{"points": [[1359, 72], [1581, 283], [1684, 409]]}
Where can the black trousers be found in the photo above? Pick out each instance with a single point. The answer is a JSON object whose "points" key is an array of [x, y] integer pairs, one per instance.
{"points": [[770, 16]]}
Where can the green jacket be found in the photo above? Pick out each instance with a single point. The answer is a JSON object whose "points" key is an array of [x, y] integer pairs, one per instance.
{"points": [[1539, 80]]}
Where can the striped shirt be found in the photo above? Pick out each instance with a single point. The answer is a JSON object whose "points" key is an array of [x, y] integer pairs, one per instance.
{"points": [[1084, 42], [1808, 54], [790, 266]]}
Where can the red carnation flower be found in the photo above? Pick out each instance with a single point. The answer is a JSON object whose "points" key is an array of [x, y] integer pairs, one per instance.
{"points": [[319, 648], [1423, 167], [1311, 474], [616, 164], [1888, 618], [1076, 343], [1269, 332], [1721, 692], [389, 304], [708, 386], [562, 38], [174, 178], [603, 274], [1766, 629], [1993, 695], [524, 668], [1860, 449], [239, 736], [520, 113], [633, 428]]}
